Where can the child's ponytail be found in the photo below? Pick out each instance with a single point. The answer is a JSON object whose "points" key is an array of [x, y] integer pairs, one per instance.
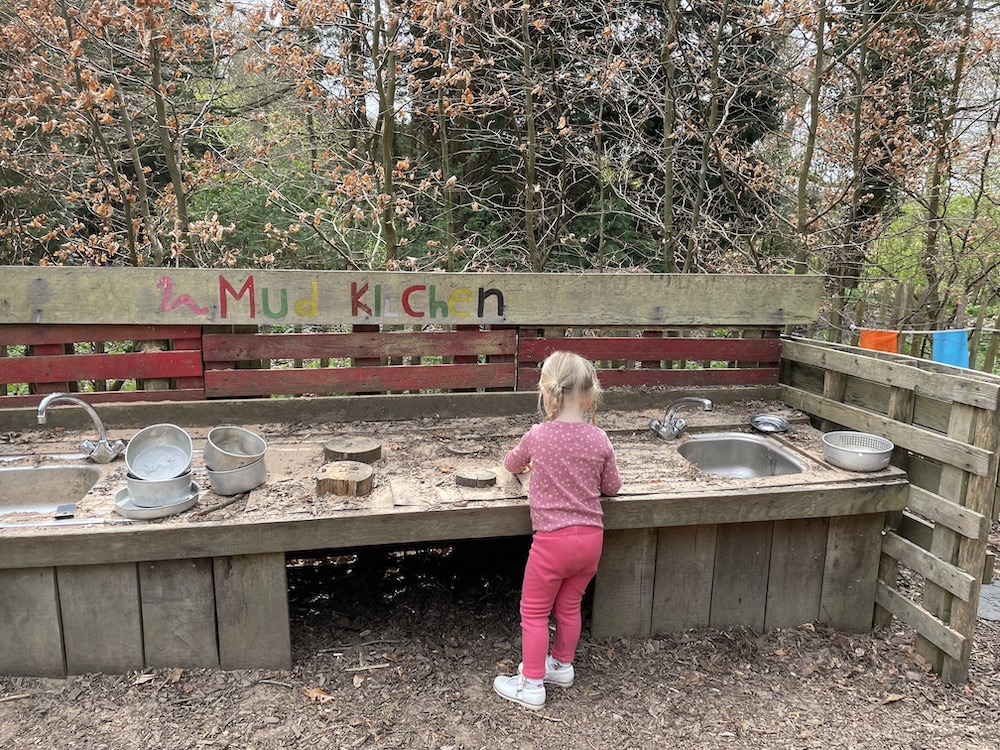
{"points": [[564, 372]]}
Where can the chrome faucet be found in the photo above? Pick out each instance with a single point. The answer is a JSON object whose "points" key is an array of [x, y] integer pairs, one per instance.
{"points": [[672, 426], [100, 452]]}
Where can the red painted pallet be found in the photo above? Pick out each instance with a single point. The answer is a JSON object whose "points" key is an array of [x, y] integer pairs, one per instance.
{"points": [[52, 362], [648, 360], [361, 350]]}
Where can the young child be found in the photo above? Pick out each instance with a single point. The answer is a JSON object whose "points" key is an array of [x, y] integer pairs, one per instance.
{"points": [[572, 464]]}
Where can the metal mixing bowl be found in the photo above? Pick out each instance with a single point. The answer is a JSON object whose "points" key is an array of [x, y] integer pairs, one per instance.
{"points": [[157, 493], [235, 481], [857, 451], [232, 447], [160, 451]]}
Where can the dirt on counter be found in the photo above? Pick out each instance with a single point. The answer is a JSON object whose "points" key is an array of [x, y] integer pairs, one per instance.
{"points": [[417, 471]]}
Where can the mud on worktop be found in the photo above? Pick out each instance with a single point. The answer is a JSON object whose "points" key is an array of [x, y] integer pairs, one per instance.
{"points": [[418, 465]]}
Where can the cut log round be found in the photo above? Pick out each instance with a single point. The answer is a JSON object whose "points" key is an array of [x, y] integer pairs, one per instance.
{"points": [[365, 449], [351, 478], [476, 477]]}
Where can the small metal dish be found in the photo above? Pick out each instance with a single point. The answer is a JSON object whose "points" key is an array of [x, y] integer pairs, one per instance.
{"points": [[125, 507], [231, 447], [160, 451], [155, 493], [768, 423], [235, 481]]}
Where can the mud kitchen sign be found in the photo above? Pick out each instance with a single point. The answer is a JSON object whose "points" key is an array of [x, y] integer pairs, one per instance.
{"points": [[220, 297]]}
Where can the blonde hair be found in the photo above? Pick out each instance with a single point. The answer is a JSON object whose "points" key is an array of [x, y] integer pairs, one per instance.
{"points": [[564, 373]]}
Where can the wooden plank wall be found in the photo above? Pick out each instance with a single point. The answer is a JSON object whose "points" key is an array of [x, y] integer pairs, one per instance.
{"points": [[945, 423], [649, 357], [352, 362], [165, 362]]}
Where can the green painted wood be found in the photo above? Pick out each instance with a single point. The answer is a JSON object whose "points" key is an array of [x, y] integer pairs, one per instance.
{"points": [[102, 625], [685, 565], [623, 587], [178, 613], [251, 595], [30, 633], [230, 296]]}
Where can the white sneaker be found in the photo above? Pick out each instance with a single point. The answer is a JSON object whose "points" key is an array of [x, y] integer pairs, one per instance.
{"points": [[518, 690], [555, 674]]}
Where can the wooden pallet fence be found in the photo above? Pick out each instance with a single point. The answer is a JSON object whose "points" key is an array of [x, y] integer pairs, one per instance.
{"points": [[426, 352], [649, 358], [945, 424], [44, 359]]}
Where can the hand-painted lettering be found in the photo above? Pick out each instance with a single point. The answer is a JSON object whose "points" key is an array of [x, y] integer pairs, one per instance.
{"points": [[166, 285], [267, 308], [460, 296], [356, 304], [308, 307], [484, 294], [247, 289], [406, 300]]}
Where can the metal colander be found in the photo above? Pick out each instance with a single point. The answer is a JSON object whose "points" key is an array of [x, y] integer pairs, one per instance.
{"points": [[857, 451]]}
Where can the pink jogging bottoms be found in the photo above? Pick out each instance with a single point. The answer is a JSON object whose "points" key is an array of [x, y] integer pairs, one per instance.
{"points": [[560, 565]]}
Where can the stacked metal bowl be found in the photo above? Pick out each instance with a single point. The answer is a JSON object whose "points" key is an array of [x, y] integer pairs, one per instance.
{"points": [[158, 458], [234, 458]]}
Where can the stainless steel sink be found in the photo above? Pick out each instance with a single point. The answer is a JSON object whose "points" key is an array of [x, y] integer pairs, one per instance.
{"points": [[736, 454], [45, 489]]}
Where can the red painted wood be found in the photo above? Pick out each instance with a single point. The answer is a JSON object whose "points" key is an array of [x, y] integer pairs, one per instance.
{"points": [[65, 367], [238, 383], [368, 345], [527, 378], [34, 335], [104, 397], [649, 349]]}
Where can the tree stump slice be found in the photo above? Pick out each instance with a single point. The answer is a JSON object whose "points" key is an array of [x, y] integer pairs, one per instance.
{"points": [[463, 447], [476, 477], [346, 478], [364, 449]]}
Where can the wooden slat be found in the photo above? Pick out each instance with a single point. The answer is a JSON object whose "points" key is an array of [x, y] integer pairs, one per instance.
{"points": [[34, 335], [739, 584], [252, 609], [178, 613], [527, 378], [210, 296], [943, 448], [682, 590], [102, 626], [651, 349], [104, 397], [235, 347], [949, 385], [941, 510], [850, 571], [950, 641], [947, 576], [623, 587], [236, 383], [65, 367], [795, 578], [30, 633]]}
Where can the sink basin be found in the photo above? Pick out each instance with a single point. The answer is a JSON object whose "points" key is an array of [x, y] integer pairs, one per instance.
{"points": [[736, 454], [44, 489]]}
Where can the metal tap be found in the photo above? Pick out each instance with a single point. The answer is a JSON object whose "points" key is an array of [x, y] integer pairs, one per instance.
{"points": [[672, 425], [100, 452]]}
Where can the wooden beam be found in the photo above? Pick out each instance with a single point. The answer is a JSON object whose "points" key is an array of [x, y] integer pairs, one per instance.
{"points": [[35, 295]]}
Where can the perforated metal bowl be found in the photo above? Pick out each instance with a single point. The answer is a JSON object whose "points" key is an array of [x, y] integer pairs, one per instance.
{"points": [[857, 451]]}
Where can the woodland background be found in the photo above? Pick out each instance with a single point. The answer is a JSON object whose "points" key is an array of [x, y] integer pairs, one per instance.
{"points": [[856, 140]]}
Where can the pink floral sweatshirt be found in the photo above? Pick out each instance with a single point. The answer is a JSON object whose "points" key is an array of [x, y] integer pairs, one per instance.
{"points": [[572, 465]]}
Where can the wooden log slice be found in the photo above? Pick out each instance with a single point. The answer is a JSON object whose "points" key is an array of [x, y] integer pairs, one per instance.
{"points": [[476, 477], [352, 478], [364, 449]]}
